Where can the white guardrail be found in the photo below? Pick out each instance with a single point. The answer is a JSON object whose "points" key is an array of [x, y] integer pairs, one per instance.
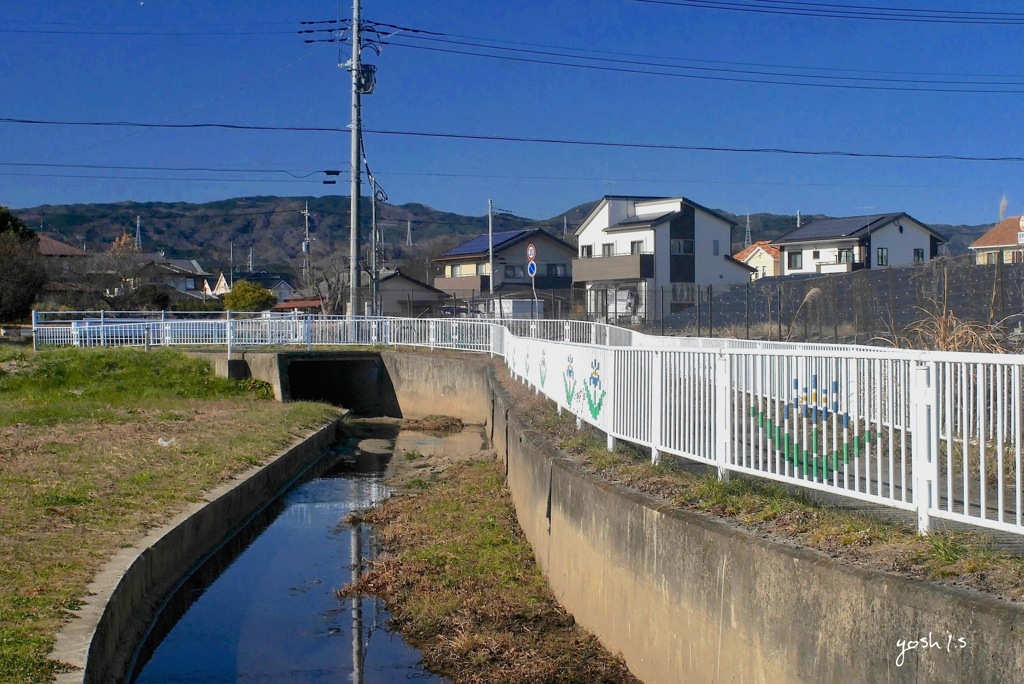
{"points": [[937, 434]]}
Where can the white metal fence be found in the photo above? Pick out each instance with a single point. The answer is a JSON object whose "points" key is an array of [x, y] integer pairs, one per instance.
{"points": [[935, 434]]}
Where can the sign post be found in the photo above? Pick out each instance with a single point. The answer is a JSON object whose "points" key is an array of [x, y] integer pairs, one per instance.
{"points": [[531, 270]]}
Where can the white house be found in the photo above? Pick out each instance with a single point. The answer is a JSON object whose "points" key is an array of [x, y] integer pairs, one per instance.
{"points": [[645, 257], [849, 244]]}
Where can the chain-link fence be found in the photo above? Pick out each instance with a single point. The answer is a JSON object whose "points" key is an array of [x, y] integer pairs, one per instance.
{"points": [[947, 303]]}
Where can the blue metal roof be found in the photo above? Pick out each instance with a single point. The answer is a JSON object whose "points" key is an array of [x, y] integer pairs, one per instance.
{"points": [[478, 245]]}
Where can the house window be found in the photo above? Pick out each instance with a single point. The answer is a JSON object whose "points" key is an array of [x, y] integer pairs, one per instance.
{"points": [[514, 272], [608, 249], [816, 254], [795, 260], [456, 270], [919, 254], [990, 258], [556, 270], [882, 258], [845, 255], [636, 247], [681, 247], [714, 247]]}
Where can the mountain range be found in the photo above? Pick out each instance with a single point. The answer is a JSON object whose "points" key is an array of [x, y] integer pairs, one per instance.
{"points": [[271, 230]]}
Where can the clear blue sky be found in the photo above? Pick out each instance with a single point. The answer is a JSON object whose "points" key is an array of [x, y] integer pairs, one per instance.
{"points": [[186, 61]]}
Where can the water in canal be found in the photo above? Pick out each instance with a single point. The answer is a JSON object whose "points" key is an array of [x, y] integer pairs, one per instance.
{"points": [[263, 609]]}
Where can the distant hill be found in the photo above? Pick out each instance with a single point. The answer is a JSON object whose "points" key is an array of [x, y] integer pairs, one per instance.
{"points": [[774, 226], [273, 228]]}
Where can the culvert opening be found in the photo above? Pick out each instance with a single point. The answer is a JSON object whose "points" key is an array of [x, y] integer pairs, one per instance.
{"points": [[361, 385]]}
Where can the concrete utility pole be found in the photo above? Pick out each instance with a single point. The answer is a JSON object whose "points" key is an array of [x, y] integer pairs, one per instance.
{"points": [[354, 172], [305, 248], [490, 246], [138, 233]]}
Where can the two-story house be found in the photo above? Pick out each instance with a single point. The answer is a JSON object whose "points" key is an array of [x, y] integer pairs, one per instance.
{"points": [[843, 245], [646, 257], [763, 257], [1003, 242], [467, 267]]}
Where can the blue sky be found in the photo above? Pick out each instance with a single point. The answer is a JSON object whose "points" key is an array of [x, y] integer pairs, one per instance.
{"points": [[184, 62]]}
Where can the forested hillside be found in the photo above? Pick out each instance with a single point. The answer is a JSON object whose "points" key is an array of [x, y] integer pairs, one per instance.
{"points": [[272, 229]]}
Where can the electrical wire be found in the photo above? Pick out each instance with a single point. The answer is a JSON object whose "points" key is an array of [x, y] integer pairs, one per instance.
{"points": [[861, 12], [119, 167], [525, 139]]}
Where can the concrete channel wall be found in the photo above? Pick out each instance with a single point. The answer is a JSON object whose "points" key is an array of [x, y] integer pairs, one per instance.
{"points": [[686, 598], [125, 597]]}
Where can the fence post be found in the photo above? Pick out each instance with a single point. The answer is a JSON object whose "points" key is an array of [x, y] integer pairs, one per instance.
{"points": [[164, 327], [433, 332], [307, 319], [35, 328], [723, 401], [103, 328], [656, 375], [924, 461], [610, 422], [227, 332]]}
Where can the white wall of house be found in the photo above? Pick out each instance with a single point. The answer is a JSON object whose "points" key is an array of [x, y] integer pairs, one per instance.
{"points": [[659, 206], [900, 245], [822, 257], [712, 242]]}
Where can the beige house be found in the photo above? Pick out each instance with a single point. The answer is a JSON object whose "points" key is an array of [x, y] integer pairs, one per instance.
{"points": [[467, 267], [1006, 238], [763, 257], [401, 295]]}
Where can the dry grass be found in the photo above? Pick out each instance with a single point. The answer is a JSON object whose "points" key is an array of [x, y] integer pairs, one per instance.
{"points": [[461, 583]]}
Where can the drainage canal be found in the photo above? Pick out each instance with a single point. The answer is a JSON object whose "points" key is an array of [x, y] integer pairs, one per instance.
{"points": [[264, 609]]}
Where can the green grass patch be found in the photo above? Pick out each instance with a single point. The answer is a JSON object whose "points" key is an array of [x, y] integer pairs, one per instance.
{"points": [[96, 448]]}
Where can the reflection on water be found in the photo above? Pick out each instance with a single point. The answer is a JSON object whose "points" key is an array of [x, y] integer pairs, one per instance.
{"points": [[264, 610]]}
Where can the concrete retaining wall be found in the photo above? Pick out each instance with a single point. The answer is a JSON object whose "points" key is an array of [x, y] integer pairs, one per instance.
{"points": [[125, 597], [686, 598]]}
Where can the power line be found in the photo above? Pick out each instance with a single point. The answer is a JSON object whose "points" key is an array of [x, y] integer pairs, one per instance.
{"points": [[150, 178], [969, 88], [119, 167], [523, 139], [759, 71], [862, 12]]}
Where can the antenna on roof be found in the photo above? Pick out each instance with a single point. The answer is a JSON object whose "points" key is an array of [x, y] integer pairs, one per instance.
{"points": [[746, 239]]}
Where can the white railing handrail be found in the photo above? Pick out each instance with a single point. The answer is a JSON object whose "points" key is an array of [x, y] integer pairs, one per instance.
{"points": [[934, 433]]}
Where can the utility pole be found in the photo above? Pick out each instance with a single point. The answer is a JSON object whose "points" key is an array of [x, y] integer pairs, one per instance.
{"points": [[305, 248], [490, 247], [408, 233], [746, 239], [354, 169], [138, 233]]}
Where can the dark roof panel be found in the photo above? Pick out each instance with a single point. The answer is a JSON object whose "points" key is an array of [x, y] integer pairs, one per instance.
{"points": [[835, 228], [478, 245]]}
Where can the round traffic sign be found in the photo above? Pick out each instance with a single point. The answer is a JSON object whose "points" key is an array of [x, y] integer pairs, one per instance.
{"points": [[531, 251], [531, 269]]}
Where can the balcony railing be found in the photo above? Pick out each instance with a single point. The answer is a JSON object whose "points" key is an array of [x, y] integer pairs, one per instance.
{"points": [[618, 267]]}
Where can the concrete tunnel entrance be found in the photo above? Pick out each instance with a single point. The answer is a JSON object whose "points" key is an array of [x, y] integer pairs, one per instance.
{"points": [[357, 381]]}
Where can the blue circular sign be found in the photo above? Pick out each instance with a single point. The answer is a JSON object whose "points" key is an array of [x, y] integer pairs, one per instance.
{"points": [[531, 268]]}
